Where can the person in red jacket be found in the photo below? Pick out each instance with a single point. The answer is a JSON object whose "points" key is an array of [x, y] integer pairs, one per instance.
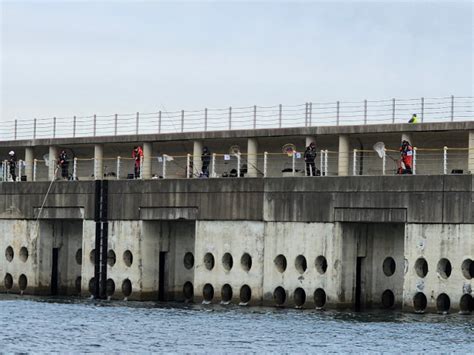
{"points": [[137, 155], [405, 163]]}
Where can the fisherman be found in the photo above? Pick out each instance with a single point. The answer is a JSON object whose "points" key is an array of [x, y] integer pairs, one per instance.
{"points": [[12, 164], [137, 155], [405, 164], [206, 160], [309, 157], [413, 119], [63, 164]]}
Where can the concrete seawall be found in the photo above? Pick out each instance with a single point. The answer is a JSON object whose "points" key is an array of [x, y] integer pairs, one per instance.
{"points": [[333, 242]]}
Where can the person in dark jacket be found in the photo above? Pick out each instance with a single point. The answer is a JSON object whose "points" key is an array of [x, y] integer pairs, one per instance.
{"points": [[63, 163], [206, 160], [12, 164], [309, 157]]}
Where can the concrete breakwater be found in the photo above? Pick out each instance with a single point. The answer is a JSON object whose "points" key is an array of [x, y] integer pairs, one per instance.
{"points": [[337, 242]]}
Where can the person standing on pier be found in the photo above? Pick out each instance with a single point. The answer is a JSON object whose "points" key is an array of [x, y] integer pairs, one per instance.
{"points": [[309, 157], [137, 155], [63, 164], [406, 160], [206, 160], [12, 164]]}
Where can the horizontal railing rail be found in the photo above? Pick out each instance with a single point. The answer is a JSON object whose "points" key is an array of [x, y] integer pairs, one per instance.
{"points": [[426, 161], [440, 109]]}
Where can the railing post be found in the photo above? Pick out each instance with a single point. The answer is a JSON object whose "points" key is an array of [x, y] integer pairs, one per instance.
{"points": [[4, 171], [422, 109], [354, 162], [279, 115], [265, 164], [115, 124], [96, 175], [141, 168], [188, 165], [321, 162], [54, 127], [34, 128], [445, 160], [254, 116], [393, 110], [20, 163], [205, 120], [452, 108], [293, 163], [137, 125], [384, 161], [306, 114], [213, 166], [159, 121], [74, 123], [118, 167], [95, 124], [74, 169], [230, 118], [338, 107], [310, 114], [16, 129], [182, 120], [326, 163], [164, 166], [414, 160], [35, 162], [365, 111], [238, 164]]}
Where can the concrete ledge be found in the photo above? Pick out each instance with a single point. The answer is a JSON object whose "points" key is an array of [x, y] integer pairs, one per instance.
{"points": [[380, 215], [60, 213], [168, 213]]}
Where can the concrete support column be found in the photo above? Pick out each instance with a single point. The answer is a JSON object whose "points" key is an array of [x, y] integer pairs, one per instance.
{"points": [[29, 163], [197, 163], [309, 140], [252, 150], [470, 161], [98, 162], [53, 156], [343, 161], [147, 155]]}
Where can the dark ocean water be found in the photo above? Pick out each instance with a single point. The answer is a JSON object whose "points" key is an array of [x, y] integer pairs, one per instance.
{"points": [[67, 325]]}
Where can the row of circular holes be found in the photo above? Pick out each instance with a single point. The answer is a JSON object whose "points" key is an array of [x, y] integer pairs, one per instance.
{"points": [[9, 254], [444, 268], [22, 282], [443, 303], [110, 287]]}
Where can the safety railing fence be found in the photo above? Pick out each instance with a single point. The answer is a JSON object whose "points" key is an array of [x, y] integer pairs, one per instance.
{"points": [[441, 109], [426, 161]]}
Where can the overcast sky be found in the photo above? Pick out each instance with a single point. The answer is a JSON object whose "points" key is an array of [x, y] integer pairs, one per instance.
{"points": [[62, 58]]}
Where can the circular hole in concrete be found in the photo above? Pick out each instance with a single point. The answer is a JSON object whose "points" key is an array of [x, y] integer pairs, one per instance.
{"points": [[421, 267], [78, 284], [245, 294], [388, 299], [466, 304], [188, 291], [226, 293], [227, 261], [208, 292], [388, 266], [8, 281], [92, 285], [128, 257], [92, 256], [23, 282], [279, 296], [444, 268], [23, 254], [443, 303], [280, 263], [209, 261], [188, 260], [111, 257], [467, 268], [319, 298], [109, 287], [126, 287], [420, 302], [246, 262], [299, 297], [79, 256], [300, 264], [321, 264], [9, 254]]}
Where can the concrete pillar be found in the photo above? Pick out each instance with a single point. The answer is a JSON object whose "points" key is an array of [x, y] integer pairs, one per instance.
{"points": [[53, 156], [343, 161], [309, 140], [29, 163], [470, 161], [197, 162], [98, 162], [147, 156], [252, 150]]}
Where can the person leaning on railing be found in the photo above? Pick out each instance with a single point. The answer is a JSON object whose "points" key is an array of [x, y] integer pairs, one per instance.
{"points": [[12, 164], [63, 164], [405, 163], [309, 157], [137, 155]]}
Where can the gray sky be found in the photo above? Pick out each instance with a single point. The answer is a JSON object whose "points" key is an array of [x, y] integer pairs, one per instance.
{"points": [[62, 58]]}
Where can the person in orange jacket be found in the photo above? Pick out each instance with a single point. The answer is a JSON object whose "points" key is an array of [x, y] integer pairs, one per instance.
{"points": [[405, 164], [137, 155]]}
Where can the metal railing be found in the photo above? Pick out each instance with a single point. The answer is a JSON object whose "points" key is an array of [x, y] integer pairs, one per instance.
{"points": [[441, 109], [437, 161]]}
